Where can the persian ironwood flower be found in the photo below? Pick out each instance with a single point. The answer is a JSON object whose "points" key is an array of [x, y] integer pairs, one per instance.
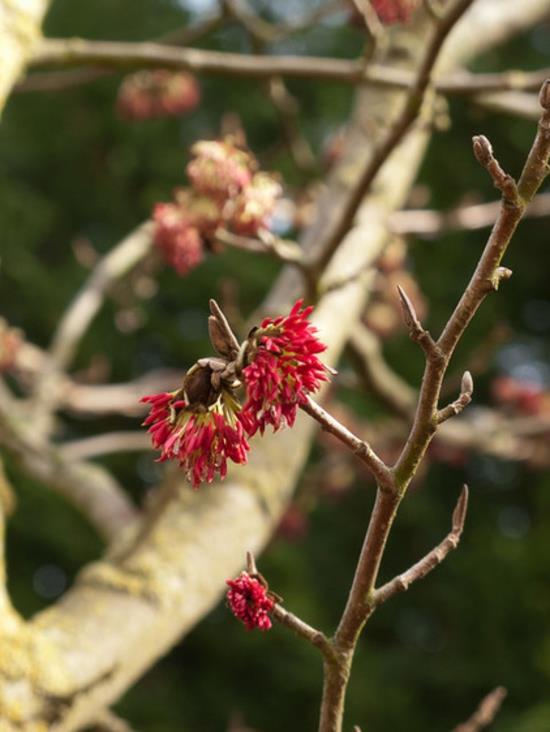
{"points": [[250, 601], [157, 93], [251, 209], [283, 368], [219, 168], [177, 237], [201, 438]]}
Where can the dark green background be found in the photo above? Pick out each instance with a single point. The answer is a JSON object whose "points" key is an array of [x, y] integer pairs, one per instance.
{"points": [[70, 169]]}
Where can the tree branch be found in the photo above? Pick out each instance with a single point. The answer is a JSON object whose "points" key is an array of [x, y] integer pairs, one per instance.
{"points": [[486, 712], [432, 560], [82, 310], [87, 486], [412, 106], [359, 448]]}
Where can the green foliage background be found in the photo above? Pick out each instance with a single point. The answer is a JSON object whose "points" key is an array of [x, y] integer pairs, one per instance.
{"points": [[72, 170]]}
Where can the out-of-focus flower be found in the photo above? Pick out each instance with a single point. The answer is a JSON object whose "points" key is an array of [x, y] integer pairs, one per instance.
{"points": [[250, 602], [157, 93], [226, 192], [10, 343], [201, 438], [220, 168], [389, 11], [250, 210], [177, 237], [523, 396], [283, 368]]}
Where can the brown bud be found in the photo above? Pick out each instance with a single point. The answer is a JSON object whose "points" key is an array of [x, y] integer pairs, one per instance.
{"points": [[544, 95], [467, 384], [198, 388], [221, 335], [482, 149]]}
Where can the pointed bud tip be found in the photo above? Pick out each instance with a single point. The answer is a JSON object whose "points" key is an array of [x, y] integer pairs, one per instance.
{"points": [[483, 149], [467, 384]]}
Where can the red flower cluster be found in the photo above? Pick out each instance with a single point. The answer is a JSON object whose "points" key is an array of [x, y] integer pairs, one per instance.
{"points": [[203, 425], [250, 602], [226, 191], [177, 238], [157, 93], [202, 440], [394, 11], [283, 369]]}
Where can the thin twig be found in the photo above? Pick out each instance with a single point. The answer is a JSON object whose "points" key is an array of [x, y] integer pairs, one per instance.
{"points": [[485, 714], [412, 106], [78, 316], [359, 448], [108, 721], [361, 601], [127, 55], [301, 628], [89, 487], [477, 216], [421, 569], [456, 407], [284, 250], [104, 444]]}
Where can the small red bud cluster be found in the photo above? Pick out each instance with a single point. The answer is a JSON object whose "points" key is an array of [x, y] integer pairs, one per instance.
{"points": [[250, 601], [157, 93], [389, 11], [227, 190], [10, 343], [203, 424]]}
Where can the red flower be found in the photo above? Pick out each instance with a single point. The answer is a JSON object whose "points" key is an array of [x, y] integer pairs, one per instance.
{"points": [[11, 340], [394, 11], [250, 211], [202, 440], [177, 238], [220, 168], [158, 93], [283, 369], [250, 602]]}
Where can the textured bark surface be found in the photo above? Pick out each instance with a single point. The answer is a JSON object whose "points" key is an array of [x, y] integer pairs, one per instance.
{"points": [[20, 22], [86, 650]]}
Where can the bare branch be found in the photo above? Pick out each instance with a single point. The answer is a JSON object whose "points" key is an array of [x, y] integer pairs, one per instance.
{"points": [[305, 631], [433, 559], [477, 216], [485, 714], [108, 721], [485, 279], [360, 448], [284, 250], [397, 130], [416, 332], [483, 151], [83, 309], [89, 487], [105, 444], [128, 55], [519, 104]]}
